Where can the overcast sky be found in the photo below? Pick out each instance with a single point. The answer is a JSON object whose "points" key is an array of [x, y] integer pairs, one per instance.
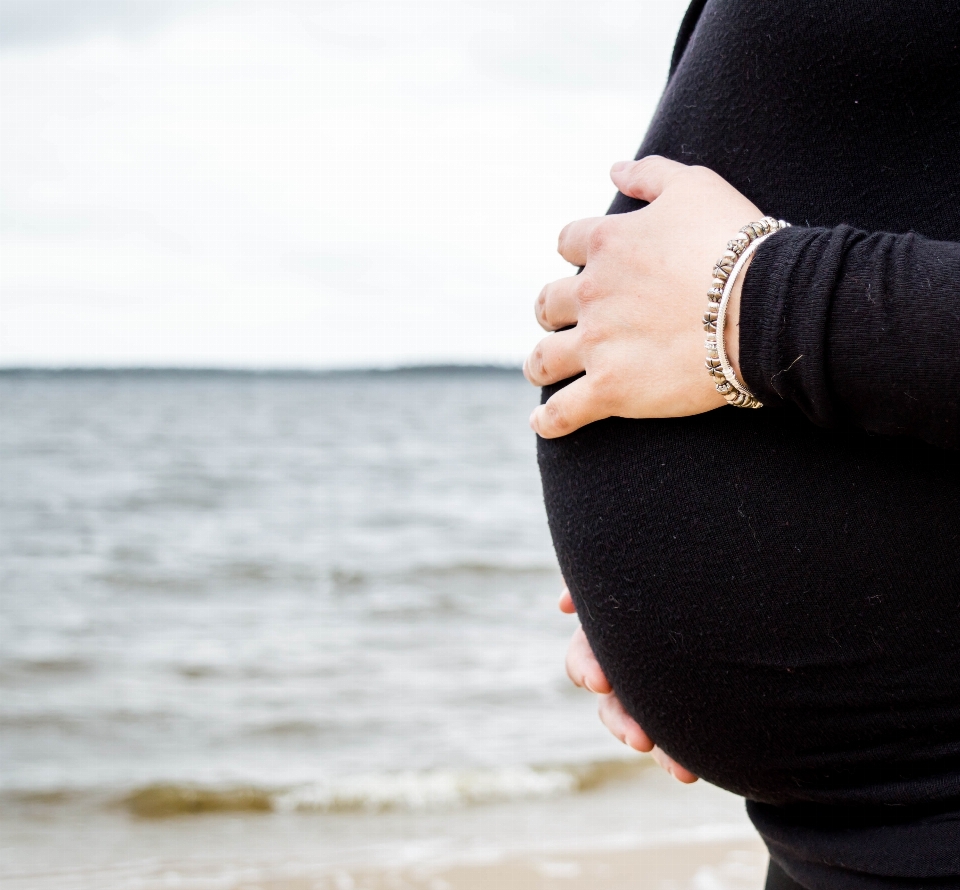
{"points": [[305, 184]]}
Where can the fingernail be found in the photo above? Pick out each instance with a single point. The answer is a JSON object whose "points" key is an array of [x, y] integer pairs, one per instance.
{"points": [[620, 166], [588, 687]]}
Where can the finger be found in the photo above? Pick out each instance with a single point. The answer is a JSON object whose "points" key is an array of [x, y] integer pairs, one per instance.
{"points": [[647, 178], [582, 666], [622, 725], [576, 240], [557, 306], [569, 409], [680, 773], [566, 603], [556, 358]]}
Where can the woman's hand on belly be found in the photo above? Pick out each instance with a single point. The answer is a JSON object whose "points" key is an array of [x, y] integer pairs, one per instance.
{"points": [[638, 303], [584, 670]]}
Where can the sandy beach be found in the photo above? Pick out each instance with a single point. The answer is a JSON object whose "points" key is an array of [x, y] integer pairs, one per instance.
{"points": [[702, 866]]}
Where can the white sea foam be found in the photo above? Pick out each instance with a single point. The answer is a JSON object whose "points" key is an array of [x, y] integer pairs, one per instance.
{"points": [[434, 788], [381, 791], [413, 790]]}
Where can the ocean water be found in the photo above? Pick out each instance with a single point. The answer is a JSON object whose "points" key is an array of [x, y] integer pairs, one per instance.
{"points": [[253, 620]]}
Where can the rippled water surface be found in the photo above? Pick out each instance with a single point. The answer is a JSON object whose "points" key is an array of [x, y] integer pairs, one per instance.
{"points": [[317, 594]]}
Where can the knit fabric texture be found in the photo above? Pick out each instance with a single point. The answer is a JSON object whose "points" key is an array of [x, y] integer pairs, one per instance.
{"points": [[775, 594]]}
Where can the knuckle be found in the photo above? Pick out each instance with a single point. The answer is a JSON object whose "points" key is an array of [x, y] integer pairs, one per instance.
{"points": [[538, 365], [587, 290], [645, 165], [556, 417], [540, 307], [591, 333], [604, 384], [599, 238], [564, 238], [646, 162]]}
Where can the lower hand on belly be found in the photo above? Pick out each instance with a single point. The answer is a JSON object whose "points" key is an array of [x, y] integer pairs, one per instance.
{"points": [[584, 670]]}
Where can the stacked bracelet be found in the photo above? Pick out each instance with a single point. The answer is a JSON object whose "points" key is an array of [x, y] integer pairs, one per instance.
{"points": [[725, 272]]}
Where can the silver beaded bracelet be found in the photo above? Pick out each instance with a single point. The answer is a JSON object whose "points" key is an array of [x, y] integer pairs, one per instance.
{"points": [[739, 250]]}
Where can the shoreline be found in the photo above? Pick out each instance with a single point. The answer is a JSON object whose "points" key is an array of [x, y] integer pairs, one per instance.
{"points": [[642, 833]]}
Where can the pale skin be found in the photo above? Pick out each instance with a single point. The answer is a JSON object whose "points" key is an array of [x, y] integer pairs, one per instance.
{"points": [[637, 304], [636, 308]]}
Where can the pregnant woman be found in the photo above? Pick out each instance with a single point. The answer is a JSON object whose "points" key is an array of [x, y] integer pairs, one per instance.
{"points": [[774, 594]]}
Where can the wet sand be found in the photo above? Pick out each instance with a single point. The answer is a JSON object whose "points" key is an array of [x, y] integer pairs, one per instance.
{"points": [[728, 865]]}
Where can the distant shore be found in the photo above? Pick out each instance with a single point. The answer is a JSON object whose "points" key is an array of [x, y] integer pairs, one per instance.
{"points": [[213, 371]]}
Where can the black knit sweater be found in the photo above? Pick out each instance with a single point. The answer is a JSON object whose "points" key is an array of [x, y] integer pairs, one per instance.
{"points": [[775, 594]]}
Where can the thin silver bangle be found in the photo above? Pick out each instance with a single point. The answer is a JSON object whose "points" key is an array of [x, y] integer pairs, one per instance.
{"points": [[728, 286], [725, 273]]}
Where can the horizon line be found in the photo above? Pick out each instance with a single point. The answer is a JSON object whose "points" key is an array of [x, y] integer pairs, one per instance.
{"points": [[439, 367]]}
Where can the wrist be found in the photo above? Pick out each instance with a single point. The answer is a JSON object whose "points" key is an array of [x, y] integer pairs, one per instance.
{"points": [[731, 327]]}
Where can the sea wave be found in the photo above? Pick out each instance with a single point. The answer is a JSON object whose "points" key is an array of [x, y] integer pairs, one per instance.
{"points": [[379, 792], [53, 664], [343, 577], [482, 569]]}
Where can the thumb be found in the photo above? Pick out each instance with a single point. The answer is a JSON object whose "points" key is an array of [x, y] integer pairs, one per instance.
{"points": [[645, 179]]}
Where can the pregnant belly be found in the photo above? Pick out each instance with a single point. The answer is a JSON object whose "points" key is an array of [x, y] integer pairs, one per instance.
{"points": [[777, 605]]}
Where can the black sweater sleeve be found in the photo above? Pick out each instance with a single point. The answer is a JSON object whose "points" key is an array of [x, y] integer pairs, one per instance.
{"points": [[858, 329]]}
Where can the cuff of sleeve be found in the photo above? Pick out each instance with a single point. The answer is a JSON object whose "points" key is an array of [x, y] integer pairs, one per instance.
{"points": [[784, 314]]}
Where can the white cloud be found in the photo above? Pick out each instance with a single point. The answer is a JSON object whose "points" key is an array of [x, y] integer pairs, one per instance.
{"points": [[310, 184]]}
